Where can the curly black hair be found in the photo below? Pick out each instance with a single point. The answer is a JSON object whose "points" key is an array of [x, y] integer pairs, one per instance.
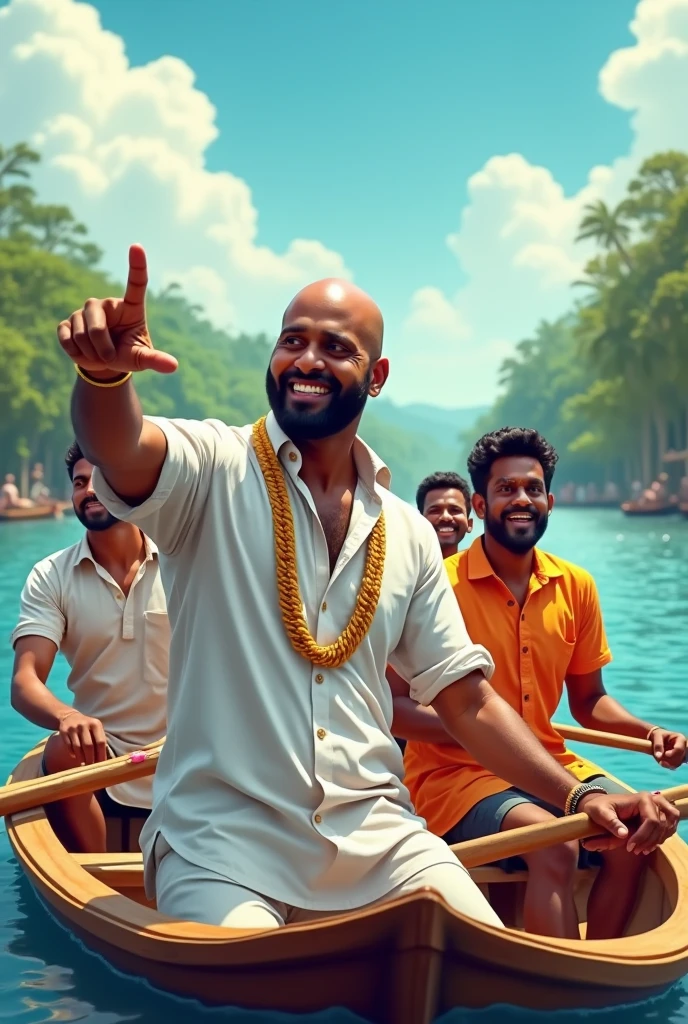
{"points": [[437, 480], [74, 453], [509, 441]]}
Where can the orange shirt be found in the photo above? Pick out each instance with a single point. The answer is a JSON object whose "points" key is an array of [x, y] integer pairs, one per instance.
{"points": [[558, 631]]}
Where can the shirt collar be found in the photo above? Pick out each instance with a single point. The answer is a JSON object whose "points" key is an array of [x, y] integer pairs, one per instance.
{"points": [[84, 552], [372, 471], [545, 568]]}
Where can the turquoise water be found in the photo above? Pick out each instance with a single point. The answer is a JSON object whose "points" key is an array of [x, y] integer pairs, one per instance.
{"points": [[639, 565]]}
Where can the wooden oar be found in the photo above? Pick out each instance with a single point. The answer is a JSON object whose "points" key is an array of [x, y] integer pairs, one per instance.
{"points": [[604, 739], [86, 778], [517, 841]]}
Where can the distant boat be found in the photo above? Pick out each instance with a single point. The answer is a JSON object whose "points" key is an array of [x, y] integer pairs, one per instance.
{"points": [[595, 503], [53, 511], [635, 508]]}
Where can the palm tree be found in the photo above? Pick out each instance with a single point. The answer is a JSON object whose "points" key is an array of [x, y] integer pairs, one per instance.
{"points": [[15, 160], [606, 226]]}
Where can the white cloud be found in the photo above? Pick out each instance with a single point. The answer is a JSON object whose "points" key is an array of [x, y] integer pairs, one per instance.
{"points": [[516, 239], [125, 148], [432, 313], [209, 290]]}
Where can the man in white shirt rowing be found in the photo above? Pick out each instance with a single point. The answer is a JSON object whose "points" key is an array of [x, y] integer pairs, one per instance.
{"points": [[101, 603], [277, 796]]}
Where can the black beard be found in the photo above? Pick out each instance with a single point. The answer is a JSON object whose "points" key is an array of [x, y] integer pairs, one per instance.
{"points": [[517, 544], [305, 425], [95, 522]]}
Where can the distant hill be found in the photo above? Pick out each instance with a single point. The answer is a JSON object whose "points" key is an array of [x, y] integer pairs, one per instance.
{"points": [[416, 439], [443, 426]]}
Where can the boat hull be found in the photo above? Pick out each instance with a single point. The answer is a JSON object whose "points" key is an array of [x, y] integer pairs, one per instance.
{"points": [[404, 962], [631, 509], [20, 515]]}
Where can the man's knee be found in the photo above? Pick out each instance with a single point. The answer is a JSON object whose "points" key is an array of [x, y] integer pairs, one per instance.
{"points": [[252, 914], [191, 893], [455, 885], [557, 863], [57, 757]]}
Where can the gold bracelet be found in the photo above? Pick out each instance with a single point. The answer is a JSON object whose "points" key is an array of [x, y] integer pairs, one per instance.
{"points": [[653, 729], [122, 379]]}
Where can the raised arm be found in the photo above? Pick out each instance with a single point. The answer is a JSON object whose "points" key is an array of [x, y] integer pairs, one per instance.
{"points": [[108, 341]]}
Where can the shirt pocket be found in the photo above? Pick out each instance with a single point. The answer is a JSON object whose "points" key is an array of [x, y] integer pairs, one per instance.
{"points": [[157, 635]]}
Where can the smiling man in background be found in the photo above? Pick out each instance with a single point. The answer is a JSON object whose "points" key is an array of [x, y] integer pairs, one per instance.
{"points": [[101, 603], [444, 499]]}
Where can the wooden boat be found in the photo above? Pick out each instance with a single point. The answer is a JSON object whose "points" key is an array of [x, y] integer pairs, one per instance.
{"points": [[594, 503], [52, 511], [634, 508], [404, 962]]}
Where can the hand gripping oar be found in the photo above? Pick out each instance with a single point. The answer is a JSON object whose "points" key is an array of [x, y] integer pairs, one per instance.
{"points": [[517, 841], [86, 778], [604, 739]]}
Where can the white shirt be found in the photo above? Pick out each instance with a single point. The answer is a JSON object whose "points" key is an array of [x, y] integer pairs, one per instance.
{"points": [[117, 646], [279, 775]]}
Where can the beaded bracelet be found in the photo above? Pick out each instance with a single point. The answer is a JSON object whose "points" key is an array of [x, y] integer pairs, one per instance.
{"points": [[577, 794]]}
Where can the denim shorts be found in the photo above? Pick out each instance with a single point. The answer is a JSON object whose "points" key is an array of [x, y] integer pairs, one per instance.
{"points": [[485, 819]]}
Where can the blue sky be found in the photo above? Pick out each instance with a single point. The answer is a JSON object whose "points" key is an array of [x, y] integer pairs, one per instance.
{"points": [[360, 123], [440, 153]]}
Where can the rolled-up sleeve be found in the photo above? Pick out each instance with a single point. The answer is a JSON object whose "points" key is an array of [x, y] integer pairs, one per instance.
{"points": [[40, 613], [435, 650], [194, 449]]}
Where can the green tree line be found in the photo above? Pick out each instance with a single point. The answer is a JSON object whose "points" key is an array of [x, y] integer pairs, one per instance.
{"points": [[48, 267], [608, 383]]}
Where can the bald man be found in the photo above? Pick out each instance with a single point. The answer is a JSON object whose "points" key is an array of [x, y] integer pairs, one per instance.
{"points": [[277, 796]]}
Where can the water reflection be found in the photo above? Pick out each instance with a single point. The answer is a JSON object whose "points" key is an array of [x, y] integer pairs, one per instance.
{"points": [[46, 958], [670, 1008]]}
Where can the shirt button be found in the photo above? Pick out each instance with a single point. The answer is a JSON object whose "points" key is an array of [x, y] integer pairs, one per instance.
{"points": [[511, 603], [321, 734], [527, 696], [317, 818], [525, 650], [320, 678], [523, 618], [324, 606], [293, 456]]}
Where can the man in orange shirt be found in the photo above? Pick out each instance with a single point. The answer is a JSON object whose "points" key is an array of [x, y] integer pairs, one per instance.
{"points": [[539, 616]]}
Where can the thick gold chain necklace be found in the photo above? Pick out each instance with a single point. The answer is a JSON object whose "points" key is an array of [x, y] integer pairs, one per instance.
{"points": [[291, 605]]}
